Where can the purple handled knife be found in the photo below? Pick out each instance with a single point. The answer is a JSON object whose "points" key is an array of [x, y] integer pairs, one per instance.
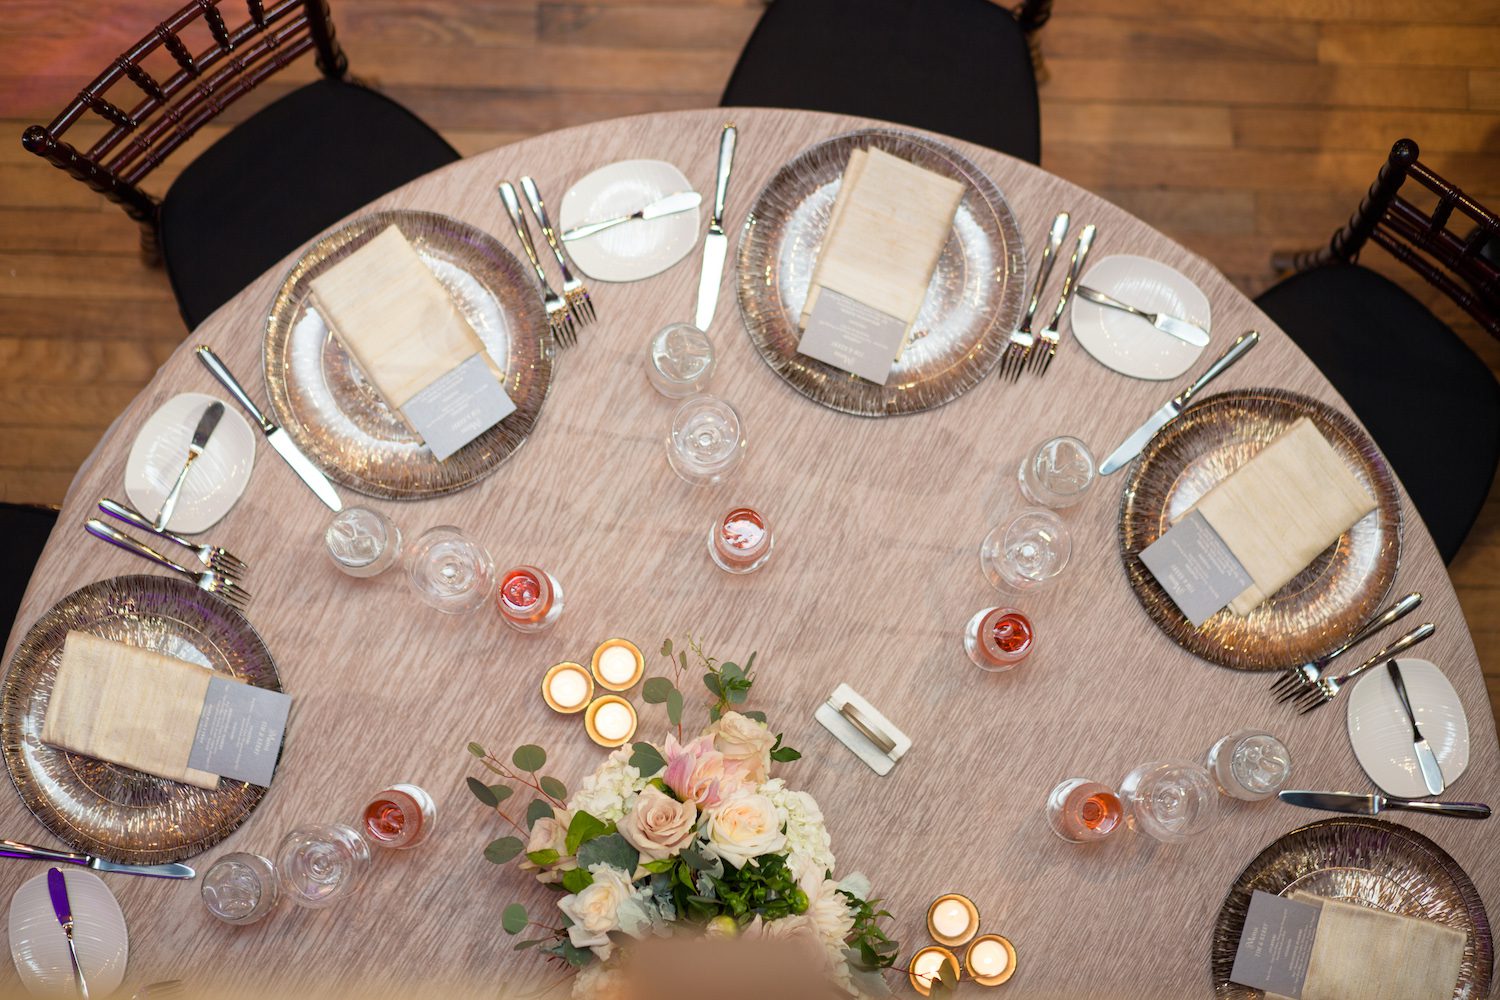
{"points": [[57, 887]]}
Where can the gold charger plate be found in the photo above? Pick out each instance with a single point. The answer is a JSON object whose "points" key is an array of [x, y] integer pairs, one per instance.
{"points": [[972, 303], [334, 413], [101, 808], [1324, 604], [1369, 862]]}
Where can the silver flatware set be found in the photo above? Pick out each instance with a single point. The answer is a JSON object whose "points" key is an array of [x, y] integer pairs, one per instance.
{"points": [[1033, 351], [572, 309]]}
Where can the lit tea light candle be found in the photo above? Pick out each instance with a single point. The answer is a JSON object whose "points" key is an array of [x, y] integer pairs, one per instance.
{"points": [[997, 639], [618, 664], [952, 919], [400, 817], [927, 964], [529, 599], [991, 960], [740, 541], [610, 721], [567, 688]]}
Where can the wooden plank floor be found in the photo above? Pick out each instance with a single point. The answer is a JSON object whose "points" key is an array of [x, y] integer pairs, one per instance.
{"points": [[1236, 127]]}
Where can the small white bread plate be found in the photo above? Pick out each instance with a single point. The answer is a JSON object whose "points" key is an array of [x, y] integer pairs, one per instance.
{"points": [[1381, 734], [1129, 344], [40, 948], [216, 479], [636, 249]]}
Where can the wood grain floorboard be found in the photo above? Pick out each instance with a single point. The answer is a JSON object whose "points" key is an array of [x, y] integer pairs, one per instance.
{"points": [[1236, 127]]}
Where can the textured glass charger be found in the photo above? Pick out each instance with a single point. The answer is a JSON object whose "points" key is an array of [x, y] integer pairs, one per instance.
{"points": [[973, 301], [1369, 862], [1344, 586], [101, 808], [333, 412]]}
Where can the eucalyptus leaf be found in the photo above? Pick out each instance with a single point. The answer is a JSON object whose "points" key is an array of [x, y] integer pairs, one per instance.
{"points": [[666, 647], [575, 956], [484, 793], [539, 809], [646, 759], [514, 918], [532, 943], [613, 850], [554, 788], [674, 707], [656, 690], [529, 758], [784, 755], [477, 750], [757, 716], [711, 681], [502, 850]]}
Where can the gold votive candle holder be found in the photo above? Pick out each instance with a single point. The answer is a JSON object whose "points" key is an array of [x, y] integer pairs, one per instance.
{"points": [[991, 960], [567, 687], [952, 919], [925, 966], [610, 721], [618, 665]]}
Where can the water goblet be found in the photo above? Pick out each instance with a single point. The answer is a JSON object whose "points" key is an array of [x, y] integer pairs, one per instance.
{"points": [[319, 865], [1026, 550], [450, 571], [1058, 473], [706, 441], [1170, 801]]}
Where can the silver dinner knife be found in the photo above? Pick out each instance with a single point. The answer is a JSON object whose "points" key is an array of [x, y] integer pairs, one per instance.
{"points": [[1432, 775], [201, 434], [716, 243], [276, 436], [683, 201], [30, 852], [62, 908], [1372, 805], [1132, 445], [1183, 330]]}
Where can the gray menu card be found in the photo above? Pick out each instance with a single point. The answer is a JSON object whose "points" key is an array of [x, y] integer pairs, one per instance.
{"points": [[458, 407], [240, 731], [850, 335], [1276, 945], [1196, 568]]}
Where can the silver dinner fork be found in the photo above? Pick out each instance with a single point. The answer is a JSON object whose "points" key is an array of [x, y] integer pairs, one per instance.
{"points": [[1295, 680], [559, 317], [1021, 338], [574, 291], [212, 557], [1047, 340], [1327, 688], [210, 580]]}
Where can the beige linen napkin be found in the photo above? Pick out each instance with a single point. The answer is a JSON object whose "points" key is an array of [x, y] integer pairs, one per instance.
{"points": [[1365, 954], [885, 234], [392, 314], [129, 706], [1284, 506]]}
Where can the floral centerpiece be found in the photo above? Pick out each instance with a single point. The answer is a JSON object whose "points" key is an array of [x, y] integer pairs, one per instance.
{"points": [[690, 834]]}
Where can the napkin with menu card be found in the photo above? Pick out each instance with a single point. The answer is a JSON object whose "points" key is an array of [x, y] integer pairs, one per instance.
{"points": [[1305, 947], [885, 234], [394, 317], [177, 720]]}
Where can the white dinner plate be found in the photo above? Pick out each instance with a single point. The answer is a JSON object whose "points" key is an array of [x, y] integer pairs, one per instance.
{"points": [[632, 250], [1381, 734], [40, 948], [1129, 344], [216, 479]]}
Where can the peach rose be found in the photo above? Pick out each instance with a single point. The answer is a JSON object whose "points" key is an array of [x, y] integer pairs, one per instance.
{"points": [[596, 910], [549, 834], [745, 744], [658, 825], [745, 828]]}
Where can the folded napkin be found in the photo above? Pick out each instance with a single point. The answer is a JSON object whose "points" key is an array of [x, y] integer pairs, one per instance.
{"points": [[1365, 954], [1283, 507], [395, 318], [885, 234], [129, 706]]}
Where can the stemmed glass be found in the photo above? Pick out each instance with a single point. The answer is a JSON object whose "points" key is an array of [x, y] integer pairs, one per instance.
{"points": [[451, 571], [706, 440], [1170, 801], [319, 865], [1025, 551]]}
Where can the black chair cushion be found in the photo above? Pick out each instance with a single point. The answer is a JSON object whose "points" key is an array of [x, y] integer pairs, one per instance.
{"points": [[279, 178], [1432, 405], [25, 530], [960, 67]]}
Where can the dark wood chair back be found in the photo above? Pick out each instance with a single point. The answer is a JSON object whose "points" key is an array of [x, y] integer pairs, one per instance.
{"points": [[1457, 265], [144, 131]]}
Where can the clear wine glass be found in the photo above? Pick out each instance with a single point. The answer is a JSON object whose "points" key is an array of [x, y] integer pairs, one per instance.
{"points": [[706, 440], [319, 865], [451, 571], [1025, 551], [1170, 801]]}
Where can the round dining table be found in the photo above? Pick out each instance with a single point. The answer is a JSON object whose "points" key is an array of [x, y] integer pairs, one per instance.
{"points": [[878, 523]]}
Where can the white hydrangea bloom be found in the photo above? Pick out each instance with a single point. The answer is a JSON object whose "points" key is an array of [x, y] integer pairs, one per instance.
{"points": [[807, 839], [609, 792]]}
